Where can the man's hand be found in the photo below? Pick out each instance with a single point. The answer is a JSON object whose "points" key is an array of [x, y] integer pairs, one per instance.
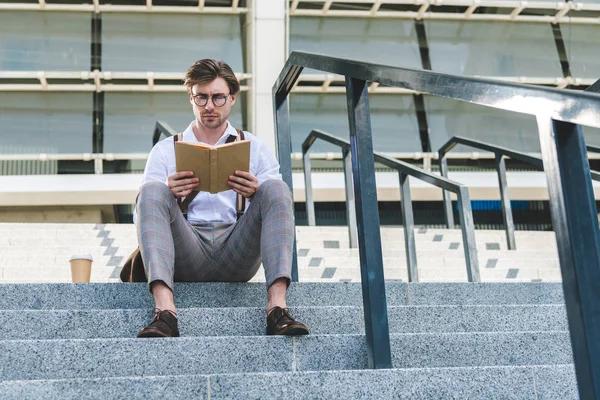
{"points": [[182, 183], [243, 183]]}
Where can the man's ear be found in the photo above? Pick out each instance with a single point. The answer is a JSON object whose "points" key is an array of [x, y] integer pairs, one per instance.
{"points": [[233, 96]]}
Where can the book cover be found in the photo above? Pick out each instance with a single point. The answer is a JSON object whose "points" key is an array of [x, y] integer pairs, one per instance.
{"points": [[213, 165]]}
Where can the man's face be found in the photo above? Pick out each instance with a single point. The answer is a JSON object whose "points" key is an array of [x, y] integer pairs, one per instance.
{"points": [[211, 115]]}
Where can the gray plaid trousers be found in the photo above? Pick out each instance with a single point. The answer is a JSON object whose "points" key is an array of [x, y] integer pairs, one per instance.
{"points": [[174, 250]]}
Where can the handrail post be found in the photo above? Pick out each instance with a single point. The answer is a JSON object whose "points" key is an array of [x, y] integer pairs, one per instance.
{"points": [[310, 203], [284, 151], [409, 228], [575, 222], [509, 225], [468, 233], [446, 194], [350, 201], [369, 231]]}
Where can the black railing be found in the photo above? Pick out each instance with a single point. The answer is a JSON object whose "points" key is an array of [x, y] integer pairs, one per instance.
{"points": [[404, 171], [499, 153], [162, 128], [565, 163]]}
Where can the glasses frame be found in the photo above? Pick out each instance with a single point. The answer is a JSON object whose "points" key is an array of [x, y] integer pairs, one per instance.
{"points": [[209, 98]]}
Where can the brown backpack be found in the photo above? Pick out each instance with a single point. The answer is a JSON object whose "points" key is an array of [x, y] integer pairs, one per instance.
{"points": [[133, 269]]}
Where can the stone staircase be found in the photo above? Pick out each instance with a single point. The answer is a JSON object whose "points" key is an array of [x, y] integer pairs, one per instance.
{"points": [[505, 338], [39, 253], [449, 341]]}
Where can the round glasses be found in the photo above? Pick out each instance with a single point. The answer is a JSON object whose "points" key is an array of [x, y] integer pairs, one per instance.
{"points": [[219, 100]]}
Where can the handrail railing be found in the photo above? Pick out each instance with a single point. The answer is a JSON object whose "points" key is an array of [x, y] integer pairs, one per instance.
{"points": [[573, 210], [592, 149], [162, 128], [404, 170], [499, 154]]}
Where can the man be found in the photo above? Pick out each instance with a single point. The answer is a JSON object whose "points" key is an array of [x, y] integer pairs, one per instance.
{"points": [[211, 245]]}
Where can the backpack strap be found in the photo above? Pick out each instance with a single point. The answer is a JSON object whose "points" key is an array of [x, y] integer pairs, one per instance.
{"points": [[240, 203]]}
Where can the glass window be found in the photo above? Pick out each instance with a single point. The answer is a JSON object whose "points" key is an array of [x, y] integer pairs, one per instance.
{"points": [[45, 41], [168, 42], [582, 43], [130, 118], [49, 122], [393, 121], [383, 41], [447, 118], [493, 48], [592, 135]]}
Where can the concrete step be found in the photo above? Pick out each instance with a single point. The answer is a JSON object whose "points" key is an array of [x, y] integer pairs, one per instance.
{"points": [[102, 358], [68, 296], [250, 321], [489, 383]]}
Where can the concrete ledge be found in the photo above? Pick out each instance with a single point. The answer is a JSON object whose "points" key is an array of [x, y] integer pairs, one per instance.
{"points": [[90, 189], [489, 383], [103, 358], [246, 321], [68, 296]]}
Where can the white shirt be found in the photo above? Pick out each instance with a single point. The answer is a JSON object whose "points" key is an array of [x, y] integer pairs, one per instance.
{"points": [[219, 207]]}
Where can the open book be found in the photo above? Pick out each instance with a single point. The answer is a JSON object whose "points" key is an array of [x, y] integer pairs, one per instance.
{"points": [[213, 165]]}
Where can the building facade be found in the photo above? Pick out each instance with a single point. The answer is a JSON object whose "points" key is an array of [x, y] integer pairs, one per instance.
{"points": [[83, 84]]}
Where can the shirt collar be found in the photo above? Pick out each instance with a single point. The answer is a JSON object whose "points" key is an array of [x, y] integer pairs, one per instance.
{"points": [[188, 134]]}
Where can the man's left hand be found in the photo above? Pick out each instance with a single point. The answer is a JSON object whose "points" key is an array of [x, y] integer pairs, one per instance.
{"points": [[243, 183]]}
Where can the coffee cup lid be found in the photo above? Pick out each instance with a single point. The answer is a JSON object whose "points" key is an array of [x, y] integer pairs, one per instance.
{"points": [[81, 257]]}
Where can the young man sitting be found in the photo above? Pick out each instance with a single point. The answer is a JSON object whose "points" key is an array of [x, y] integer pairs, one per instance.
{"points": [[212, 244]]}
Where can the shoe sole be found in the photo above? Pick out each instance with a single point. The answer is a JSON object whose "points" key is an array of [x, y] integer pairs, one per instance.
{"points": [[292, 331], [153, 333]]}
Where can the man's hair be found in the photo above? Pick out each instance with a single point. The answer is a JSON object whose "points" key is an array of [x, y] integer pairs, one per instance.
{"points": [[207, 70]]}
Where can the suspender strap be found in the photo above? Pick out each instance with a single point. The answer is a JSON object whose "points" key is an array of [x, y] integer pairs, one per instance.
{"points": [[240, 203]]}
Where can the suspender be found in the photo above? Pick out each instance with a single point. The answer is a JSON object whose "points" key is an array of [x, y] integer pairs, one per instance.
{"points": [[240, 201]]}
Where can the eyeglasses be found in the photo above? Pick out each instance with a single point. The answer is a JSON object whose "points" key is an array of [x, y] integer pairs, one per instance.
{"points": [[219, 100]]}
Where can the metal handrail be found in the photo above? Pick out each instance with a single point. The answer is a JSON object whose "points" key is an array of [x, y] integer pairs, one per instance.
{"points": [[558, 114], [592, 149], [404, 170], [162, 128], [499, 154]]}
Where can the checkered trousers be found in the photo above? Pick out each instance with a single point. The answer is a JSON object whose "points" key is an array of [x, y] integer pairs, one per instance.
{"points": [[175, 250]]}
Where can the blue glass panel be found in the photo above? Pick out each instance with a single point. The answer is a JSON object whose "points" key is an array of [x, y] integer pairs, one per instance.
{"points": [[582, 43], [447, 118], [393, 121], [169, 43], [130, 118], [383, 41], [45, 122], [493, 48], [46, 41]]}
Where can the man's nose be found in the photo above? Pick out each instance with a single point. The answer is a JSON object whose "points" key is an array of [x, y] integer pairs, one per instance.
{"points": [[209, 105]]}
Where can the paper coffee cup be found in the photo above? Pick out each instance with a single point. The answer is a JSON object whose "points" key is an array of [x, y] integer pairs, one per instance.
{"points": [[81, 267]]}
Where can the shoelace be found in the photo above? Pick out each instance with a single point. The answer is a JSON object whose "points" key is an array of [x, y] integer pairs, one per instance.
{"points": [[157, 312]]}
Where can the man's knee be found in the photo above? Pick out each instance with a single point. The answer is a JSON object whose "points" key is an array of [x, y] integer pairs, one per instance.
{"points": [[154, 192], [274, 190]]}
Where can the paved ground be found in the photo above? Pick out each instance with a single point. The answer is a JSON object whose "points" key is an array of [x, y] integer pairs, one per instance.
{"points": [[40, 253]]}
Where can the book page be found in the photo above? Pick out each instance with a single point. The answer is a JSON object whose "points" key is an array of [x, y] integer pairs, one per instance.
{"points": [[230, 158], [196, 158]]}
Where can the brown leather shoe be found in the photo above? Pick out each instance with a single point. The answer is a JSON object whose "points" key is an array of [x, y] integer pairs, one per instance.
{"points": [[164, 324], [280, 322]]}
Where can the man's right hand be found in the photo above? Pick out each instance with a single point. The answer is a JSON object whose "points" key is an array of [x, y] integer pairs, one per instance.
{"points": [[182, 183]]}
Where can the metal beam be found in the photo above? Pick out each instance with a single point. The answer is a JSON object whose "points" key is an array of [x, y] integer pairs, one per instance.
{"points": [[367, 218], [575, 223]]}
